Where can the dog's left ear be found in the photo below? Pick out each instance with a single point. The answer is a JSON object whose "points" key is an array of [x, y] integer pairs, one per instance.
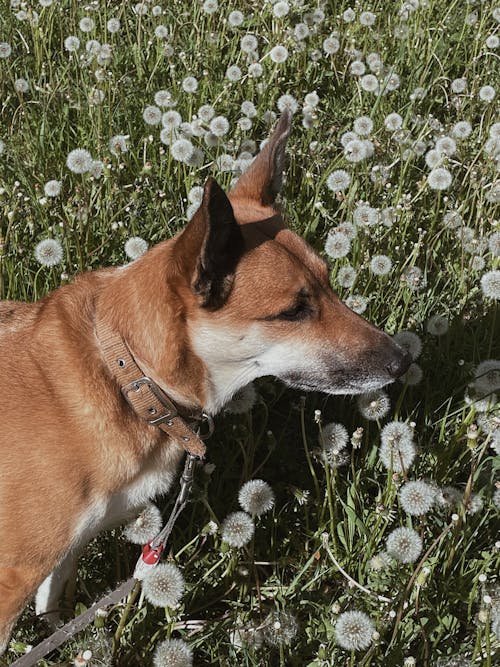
{"points": [[221, 249], [263, 179]]}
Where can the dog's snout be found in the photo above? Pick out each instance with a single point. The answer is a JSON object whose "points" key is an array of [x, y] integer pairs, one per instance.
{"points": [[399, 364]]}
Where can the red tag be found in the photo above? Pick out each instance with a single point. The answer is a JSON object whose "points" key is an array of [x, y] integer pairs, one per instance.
{"points": [[151, 555]]}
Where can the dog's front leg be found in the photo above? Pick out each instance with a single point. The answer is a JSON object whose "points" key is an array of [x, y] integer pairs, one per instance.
{"points": [[50, 591]]}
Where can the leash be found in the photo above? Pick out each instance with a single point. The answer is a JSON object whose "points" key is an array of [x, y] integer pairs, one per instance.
{"points": [[150, 557]]}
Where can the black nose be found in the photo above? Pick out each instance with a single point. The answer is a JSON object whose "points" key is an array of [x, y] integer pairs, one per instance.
{"points": [[400, 364]]}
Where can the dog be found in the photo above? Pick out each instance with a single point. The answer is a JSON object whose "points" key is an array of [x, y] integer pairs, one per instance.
{"points": [[236, 295]]}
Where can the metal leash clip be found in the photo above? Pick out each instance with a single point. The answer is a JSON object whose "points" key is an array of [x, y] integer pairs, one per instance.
{"points": [[152, 551]]}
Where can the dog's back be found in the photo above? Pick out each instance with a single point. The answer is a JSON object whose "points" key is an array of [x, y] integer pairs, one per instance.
{"points": [[14, 315]]}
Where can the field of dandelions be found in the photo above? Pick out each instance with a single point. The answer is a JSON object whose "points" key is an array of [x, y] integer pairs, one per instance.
{"points": [[324, 531]]}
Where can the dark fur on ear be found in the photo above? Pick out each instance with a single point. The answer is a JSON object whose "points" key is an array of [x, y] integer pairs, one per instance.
{"points": [[221, 249], [264, 177]]}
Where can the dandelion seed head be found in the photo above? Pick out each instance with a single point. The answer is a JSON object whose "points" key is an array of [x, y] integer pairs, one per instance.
{"points": [[417, 497], [235, 18], [462, 129], [369, 82], [490, 285], [380, 265], [338, 181], [281, 9], [487, 93], [363, 126], [48, 252], [367, 19], [278, 54], [5, 49], [487, 376], [135, 247], [52, 188], [354, 630], [459, 85], [233, 73], [190, 84], [331, 45], [182, 150], [404, 545], [72, 43], [237, 529], [173, 653], [118, 144], [334, 436], [346, 276], [437, 325], [357, 68], [79, 161], [439, 179], [210, 6], [357, 303], [410, 342], [413, 278], [152, 115], [145, 526], [164, 585], [337, 245], [397, 450], [280, 627], [374, 405], [355, 151], [256, 497]]}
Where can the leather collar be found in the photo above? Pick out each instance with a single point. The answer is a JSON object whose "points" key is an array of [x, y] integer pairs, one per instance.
{"points": [[145, 397]]}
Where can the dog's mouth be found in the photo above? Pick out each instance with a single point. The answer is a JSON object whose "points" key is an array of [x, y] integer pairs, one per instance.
{"points": [[341, 381]]}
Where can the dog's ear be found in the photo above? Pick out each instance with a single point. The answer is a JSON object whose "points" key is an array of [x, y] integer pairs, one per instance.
{"points": [[264, 177], [221, 249]]}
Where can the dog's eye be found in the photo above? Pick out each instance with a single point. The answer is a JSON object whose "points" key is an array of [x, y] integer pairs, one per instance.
{"points": [[300, 311]]}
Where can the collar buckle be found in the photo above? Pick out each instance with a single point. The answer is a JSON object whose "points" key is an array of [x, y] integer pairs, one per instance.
{"points": [[130, 391]]}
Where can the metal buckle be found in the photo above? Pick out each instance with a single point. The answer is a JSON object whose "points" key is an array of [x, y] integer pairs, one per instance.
{"points": [[159, 395]]}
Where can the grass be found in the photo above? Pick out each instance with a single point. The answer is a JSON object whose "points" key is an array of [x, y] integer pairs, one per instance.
{"points": [[313, 555]]}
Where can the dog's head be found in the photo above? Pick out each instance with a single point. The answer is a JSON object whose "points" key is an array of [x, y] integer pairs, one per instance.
{"points": [[261, 297]]}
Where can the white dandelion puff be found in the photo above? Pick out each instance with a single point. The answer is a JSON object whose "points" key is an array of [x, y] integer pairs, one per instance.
{"points": [[287, 102], [363, 126], [79, 161], [338, 181], [410, 342], [52, 188], [439, 179], [72, 43], [173, 653], [5, 49], [374, 405], [346, 276], [235, 18], [404, 545], [354, 630], [357, 303], [164, 585], [487, 93], [152, 115], [118, 144], [380, 265], [280, 627], [190, 84], [237, 529], [256, 497], [417, 497], [437, 325], [181, 149], [393, 122], [369, 82], [397, 450], [490, 285], [219, 126], [135, 247], [487, 376], [278, 54], [337, 245], [331, 45], [145, 526], [49, 252], [355, 151]]}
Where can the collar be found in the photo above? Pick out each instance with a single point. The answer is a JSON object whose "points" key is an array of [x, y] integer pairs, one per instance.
{"points": [[145, 397]]}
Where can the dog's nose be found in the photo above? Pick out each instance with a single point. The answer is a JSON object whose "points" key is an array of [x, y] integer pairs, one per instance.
{"points": [[400, 364]]}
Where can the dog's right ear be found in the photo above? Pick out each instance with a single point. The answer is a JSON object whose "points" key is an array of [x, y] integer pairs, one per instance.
{"points": [[221, 248]]}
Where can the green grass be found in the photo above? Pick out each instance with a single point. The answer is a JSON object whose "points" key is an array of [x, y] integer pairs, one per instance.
{"points": [[327, 523]]}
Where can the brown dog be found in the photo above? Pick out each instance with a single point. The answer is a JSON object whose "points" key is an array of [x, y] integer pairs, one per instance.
{"points": [[234, 296]]}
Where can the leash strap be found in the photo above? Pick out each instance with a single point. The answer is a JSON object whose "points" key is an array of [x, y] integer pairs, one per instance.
{"points": [[150, 557]]}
